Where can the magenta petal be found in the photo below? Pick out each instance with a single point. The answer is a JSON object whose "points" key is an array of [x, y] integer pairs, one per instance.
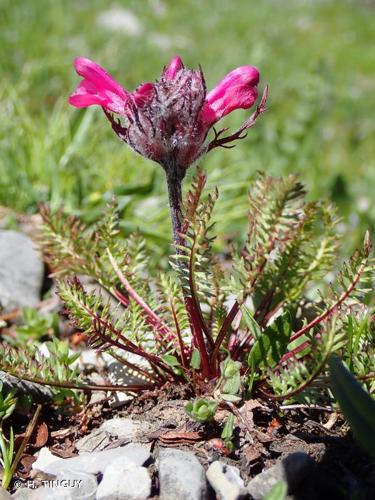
{"points": [[97, 87], [173, 68], [143, 94], [98, 76], [238, 89], [85, 95]]}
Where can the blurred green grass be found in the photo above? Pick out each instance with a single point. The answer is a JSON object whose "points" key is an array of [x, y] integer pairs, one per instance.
{"points": [[316, 55]]}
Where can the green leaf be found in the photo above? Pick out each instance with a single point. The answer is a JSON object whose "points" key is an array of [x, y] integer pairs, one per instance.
{"points": [[195, 361], [170, 360], [233, 384], [228, 427], [278, 491], [251, 323], [356, 404], [202, 410], [230, 378], [231, 397], [271, 344]]}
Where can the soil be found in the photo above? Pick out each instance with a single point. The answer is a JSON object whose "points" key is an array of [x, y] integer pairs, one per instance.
{"points": [[263, 434]]}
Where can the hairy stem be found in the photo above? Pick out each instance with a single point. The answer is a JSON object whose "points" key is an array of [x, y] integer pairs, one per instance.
{"points": [[175, 176]]}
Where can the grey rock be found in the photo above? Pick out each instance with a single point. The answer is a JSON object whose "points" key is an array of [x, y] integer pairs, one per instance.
{"points": [[90, 357], [4, 494], [97, 397], [25, 494], [95, 441], [21, 271], [181, 476], [44, 459], [226, 481], [118, 374], [98, 460], [124, 481], [68, 485], [121, 375], [38, 392], [123, 428], [293, 469], [119, 429]]}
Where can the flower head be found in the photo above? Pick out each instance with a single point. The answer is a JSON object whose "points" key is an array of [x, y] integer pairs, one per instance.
{"points": [[168, 121]]}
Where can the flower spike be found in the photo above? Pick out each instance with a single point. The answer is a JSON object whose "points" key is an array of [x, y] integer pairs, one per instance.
{"points": [[168, 121]]}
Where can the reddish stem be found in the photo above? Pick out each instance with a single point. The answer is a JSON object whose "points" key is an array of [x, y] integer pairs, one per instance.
{"points": [[224, 330], [180, 341], [152, 317], [198, 335], [196, 305], [90, 387], [127, 344], [335, 306]]}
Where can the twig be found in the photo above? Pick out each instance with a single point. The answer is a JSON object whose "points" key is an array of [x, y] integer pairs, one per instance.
{"points": [[306, 407], [39, 393], [29, 430], [37, 384]]}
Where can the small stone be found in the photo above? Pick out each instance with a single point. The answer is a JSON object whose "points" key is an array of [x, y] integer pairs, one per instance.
{"points": [[293, 469], [122, 375], [45, 459], [226, 481], [120, 429], [89, 357], [95, 441], [21, 271], [97, 397], [181, 476], [98, 460], [124, 481]]}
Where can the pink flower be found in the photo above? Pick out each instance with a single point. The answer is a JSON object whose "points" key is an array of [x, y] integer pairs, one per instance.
{"points": [[97, 87], [168, 121], [237, 90]]}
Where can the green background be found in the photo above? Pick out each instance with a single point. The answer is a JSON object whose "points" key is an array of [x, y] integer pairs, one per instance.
{"points": [[317, 57]]}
